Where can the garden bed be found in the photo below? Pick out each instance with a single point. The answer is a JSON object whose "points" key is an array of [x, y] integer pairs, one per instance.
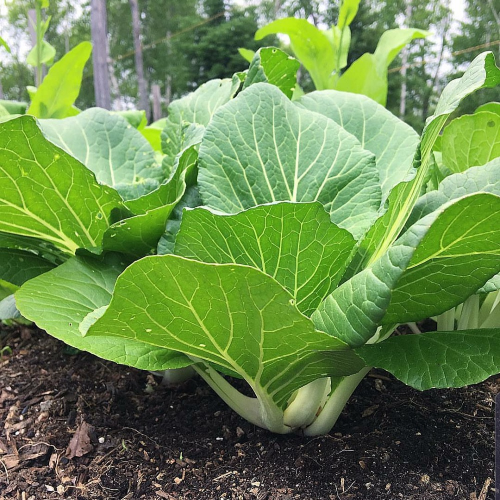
{"points": [[151, 442]]}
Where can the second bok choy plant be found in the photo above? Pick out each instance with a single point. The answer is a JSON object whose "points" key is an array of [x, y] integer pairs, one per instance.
{"points": [[297, 253]]}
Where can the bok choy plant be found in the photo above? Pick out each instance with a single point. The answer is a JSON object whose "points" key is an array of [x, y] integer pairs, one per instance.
{"points": [[306, 244]]}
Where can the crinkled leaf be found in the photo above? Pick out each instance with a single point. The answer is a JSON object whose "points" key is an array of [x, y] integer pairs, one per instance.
{"points": [[474, 180], [108, 145], [391, 141], [438, 359], [309, 44], [273, 66], [296, 244], [46, 193], [198, 108], [262, 148], [61, 299], [459, 253], [471, 140], [231, 315], [60, 88]]}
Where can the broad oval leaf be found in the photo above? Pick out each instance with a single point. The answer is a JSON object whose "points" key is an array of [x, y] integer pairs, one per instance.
{"points": [[438, 359], [481, 73], [262, 148], [60, 300], [46, 193], [231, 315], [295, 243], [392, 141], [107, 144]]}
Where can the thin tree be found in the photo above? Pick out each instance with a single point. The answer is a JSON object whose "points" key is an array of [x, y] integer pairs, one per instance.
{"points": [[99, 31], [139, 64]]}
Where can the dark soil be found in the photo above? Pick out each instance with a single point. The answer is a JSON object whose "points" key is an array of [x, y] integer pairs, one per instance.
{"points": [[139, 440]]}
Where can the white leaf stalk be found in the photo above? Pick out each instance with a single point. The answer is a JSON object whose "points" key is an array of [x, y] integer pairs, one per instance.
{"points": [[473, 314]]}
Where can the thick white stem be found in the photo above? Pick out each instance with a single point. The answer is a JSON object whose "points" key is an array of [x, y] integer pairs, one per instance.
{"points": [[302, 410], [446, 321], [335, 404], [469, 319], [259, 411]]}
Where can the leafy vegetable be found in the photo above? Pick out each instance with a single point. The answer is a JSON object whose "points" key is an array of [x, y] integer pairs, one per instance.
{"points": [[312, 245]]}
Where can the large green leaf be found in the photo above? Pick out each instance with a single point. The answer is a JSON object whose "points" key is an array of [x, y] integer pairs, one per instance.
{"points": [[231, 315], [46, 193], [391, 141], [108, 145], [484, 179], [438, 359], [262, 148], [273, 66], [459, 253], [368, 74], [195, 108], [296, 244], [139, 235], [309, 44], [18, 266], [355, 310], [482, 72], [60, 88], [65, 300], [471, 140]]}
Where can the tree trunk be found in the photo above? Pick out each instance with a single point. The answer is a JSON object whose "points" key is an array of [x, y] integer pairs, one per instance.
{"points": [[99, 32], [402, 102], [139, 64], [168, 91], [155, 89]]}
